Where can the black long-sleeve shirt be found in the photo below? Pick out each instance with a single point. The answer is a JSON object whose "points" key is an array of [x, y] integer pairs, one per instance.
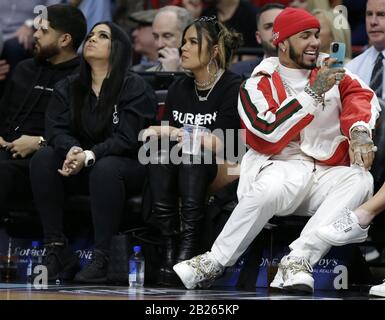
{"points": [[136, 109]]}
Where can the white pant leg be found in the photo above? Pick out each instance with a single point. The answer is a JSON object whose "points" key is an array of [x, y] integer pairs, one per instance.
{"points": [[278, 189], [338, 187]]}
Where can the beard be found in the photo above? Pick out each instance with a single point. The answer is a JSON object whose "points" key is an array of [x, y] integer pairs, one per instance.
{"points": [[42, 54], [269, 49], [298, 59]]}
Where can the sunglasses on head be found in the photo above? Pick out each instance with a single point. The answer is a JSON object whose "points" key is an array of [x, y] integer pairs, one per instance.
{"points": [[207, 19]]}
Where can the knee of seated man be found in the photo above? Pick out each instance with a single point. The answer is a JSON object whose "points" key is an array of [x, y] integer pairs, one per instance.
{"points": [[360, 181], [269, 190]]}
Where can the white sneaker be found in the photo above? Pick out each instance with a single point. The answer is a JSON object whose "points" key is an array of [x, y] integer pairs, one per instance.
{"points": [[378, 290], [201, 270], [344, 230], [297, 275], [278, 281]]}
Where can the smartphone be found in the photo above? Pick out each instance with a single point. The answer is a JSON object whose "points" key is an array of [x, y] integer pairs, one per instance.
{"points": [[337, 51]]}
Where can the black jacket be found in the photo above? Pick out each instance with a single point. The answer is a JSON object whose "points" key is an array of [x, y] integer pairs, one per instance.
{"points": [[23, 106], [136, 110]]}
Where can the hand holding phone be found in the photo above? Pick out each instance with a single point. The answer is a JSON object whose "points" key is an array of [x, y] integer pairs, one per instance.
{"points": [[337, 51], [332, 72]]}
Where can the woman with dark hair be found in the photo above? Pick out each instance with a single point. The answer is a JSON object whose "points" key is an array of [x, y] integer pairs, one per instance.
{"points": [[208, 99], [92, 124]]}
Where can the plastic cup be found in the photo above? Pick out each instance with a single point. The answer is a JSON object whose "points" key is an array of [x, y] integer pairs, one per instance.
{"points": [[192, 138]]}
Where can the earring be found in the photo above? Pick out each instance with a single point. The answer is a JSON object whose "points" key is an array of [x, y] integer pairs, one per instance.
{"points": [[215, 65]]}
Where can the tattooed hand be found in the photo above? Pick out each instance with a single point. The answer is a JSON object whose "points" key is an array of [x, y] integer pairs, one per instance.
{"points": [[327, 77], [361, 149]]}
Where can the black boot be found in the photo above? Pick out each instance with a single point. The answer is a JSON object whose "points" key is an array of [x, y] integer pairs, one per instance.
{"points": [[167, 276], [163, 182], [61, 262], [96, 271], [168, 222], [190, 239], [195, 179]]}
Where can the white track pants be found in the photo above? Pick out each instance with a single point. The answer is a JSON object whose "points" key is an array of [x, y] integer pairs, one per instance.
{"points": [[288, 187]]}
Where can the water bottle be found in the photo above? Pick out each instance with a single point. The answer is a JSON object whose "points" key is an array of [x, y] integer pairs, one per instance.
{"points": [[136, 268], [9, 271], [34, 259]]}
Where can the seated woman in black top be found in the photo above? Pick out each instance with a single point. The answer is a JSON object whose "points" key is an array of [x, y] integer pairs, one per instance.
{"points": [[207, 99], [92, 124]]}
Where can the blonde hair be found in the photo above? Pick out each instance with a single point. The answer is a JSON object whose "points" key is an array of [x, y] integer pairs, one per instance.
{"points": [[318, 4], [340, 34]]}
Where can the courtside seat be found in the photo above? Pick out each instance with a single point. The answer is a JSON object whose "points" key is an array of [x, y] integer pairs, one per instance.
{"points": [[23, 220]]}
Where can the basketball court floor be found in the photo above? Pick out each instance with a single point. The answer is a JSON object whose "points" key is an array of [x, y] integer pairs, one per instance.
{"points": [[13, 291]]}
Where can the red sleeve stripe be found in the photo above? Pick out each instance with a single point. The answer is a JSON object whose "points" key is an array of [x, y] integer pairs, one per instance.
{"points": [[265, 88], [262, 125], [266, 147], [340, 156], [277, 81]]}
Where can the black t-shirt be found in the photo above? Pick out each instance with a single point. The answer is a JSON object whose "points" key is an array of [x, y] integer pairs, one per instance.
{"points": [[219, 111]]}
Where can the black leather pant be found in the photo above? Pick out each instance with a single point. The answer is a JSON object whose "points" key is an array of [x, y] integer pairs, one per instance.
{"points": [[186, 185]]}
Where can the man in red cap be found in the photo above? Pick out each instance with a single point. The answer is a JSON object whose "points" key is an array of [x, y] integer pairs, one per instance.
{"points": [[308, 129]]}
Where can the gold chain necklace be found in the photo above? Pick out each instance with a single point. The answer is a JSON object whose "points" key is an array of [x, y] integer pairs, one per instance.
{"points": [[289, 90], [205, 98], [205, 84]]}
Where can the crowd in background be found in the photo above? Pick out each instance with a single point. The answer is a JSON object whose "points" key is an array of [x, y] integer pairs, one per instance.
{"points": [[136, 17], [80, 141]]}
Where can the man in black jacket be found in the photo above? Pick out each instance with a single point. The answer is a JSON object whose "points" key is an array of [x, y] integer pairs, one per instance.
{"points": [[22, 108]]}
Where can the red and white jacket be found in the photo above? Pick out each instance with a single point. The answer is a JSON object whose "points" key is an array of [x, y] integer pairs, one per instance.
{"points": [[272, 119]]}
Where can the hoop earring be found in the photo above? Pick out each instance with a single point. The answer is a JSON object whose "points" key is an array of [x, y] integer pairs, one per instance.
{"points": [[215, 65]]}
